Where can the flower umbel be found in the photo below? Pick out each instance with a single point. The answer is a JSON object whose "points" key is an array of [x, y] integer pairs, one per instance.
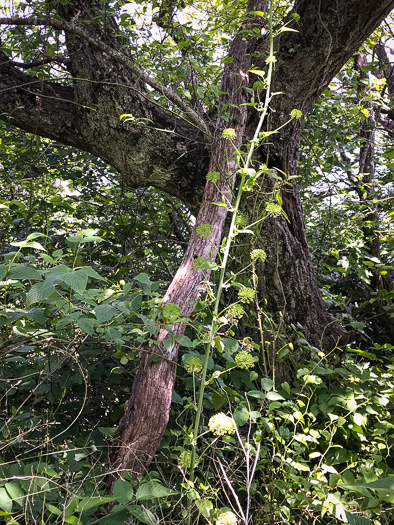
{"points": [[296, 113], [220, 424], [240, 219], [185, 459], [244, 359], [213, 176], [193, 364], [227, 518], [246, 295], [273, 209], [204, 230], [235, 311], [258, 254], [229, 133], [197, 263]]}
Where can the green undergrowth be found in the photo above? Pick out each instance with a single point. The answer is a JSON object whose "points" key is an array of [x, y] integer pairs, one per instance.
{"points": [[319, 449]]}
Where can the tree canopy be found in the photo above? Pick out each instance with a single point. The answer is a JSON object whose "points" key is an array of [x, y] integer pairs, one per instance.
{"points": [[196, 232]]}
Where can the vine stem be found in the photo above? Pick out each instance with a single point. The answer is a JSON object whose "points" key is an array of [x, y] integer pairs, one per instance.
{"points": [[230, 237]]}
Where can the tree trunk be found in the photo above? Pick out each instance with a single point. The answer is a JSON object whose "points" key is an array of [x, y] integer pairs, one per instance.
{"points": [[146, 413]]}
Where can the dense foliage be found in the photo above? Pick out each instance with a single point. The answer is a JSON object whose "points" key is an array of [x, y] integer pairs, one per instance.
{"points": [[84, 263]]}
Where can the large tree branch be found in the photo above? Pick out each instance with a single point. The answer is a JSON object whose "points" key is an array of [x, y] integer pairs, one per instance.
{"points": [[117, 55], [39, 107], [157, 149], [135, 442]]}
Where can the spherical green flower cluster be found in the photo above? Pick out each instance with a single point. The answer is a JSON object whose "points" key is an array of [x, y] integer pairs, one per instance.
{"points": [[296, 113], [246, 295], [197, 263], [171, 312], [229, 133], [227, 518], [258, 254], [258, 85], [193, 364], [204, 231], [220, 424], [273, 209], [235, 311], [240, 219], [244, 359], [213, 176], [185, 459]]}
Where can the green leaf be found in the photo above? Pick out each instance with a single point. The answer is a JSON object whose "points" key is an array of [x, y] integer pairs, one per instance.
{"points": [[227, 60], [358, 325], [107, 431], [73, 520], [218, 401], [182, 44], [144, 282], [72, 505], [285, 28], [53, 509], [39, 292], [37, 314], [93, 501], [153, 489], [15, 491], [104, 313], [87, 325], [230, 345], [204, 506], [123, 491], [84, 236], [3, 270], [35, 235], [267, 384], [241, 416], [20, 271], [355, 519], [92, 273], [27, 244], [117, 517], [176, 398], [150, 324], [274, 396], [386, 484], [143, 515], [5, 500], [77, 280], [257, 72], [183, 340], [256, 393]]}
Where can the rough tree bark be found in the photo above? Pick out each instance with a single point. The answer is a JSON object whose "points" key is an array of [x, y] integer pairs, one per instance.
{"points": [[175, 153]]}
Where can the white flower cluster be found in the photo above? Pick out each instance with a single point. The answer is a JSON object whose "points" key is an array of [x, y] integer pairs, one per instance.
{"points": [[220, 424]]}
